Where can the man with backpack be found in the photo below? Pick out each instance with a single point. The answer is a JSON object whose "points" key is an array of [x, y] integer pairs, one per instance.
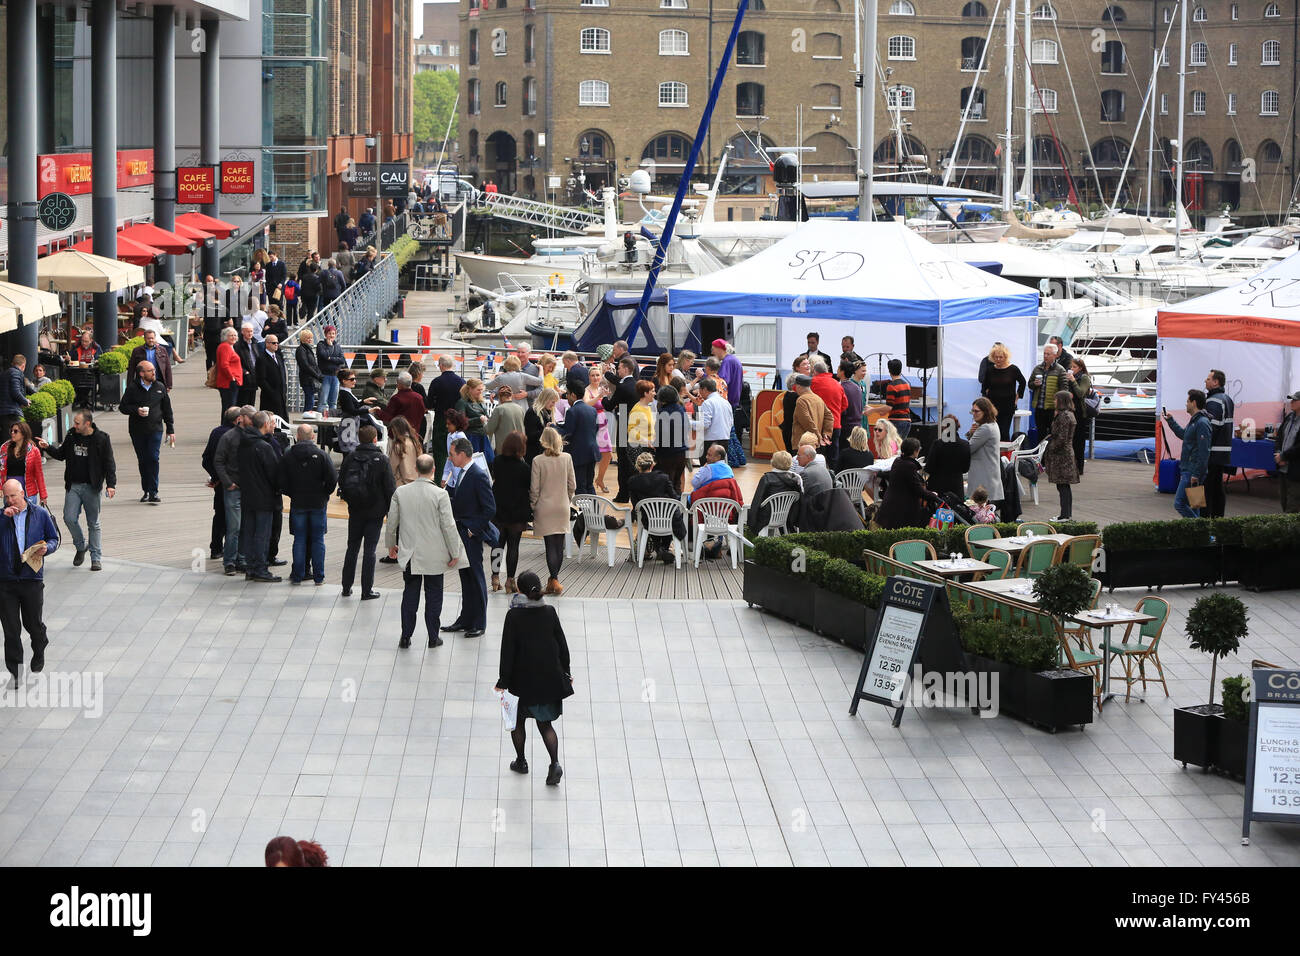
{"points": [[331, 283], [366, 484]]}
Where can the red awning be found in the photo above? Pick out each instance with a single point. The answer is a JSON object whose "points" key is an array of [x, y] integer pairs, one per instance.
{"points": [[148, 234], [196, 220], [198, 235], [128, 250]]}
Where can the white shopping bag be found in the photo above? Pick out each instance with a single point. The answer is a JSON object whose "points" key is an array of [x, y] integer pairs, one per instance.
{"points": [[509, 708]]}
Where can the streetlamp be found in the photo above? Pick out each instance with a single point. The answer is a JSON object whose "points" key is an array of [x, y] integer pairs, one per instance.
{"points": [[375, 141]]}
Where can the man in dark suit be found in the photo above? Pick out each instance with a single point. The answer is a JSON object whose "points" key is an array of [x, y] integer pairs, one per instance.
{"points": [[272, 379], [575, 371], [22, 590], [276, 273], [249, 351], [153, 353], [620, 401], [473, 506], [443, 394], [579, 431], [260, 501]]}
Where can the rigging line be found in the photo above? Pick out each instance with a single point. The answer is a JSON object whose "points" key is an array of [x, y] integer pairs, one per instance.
{"points": [[1060, 155], [758, 147], [975, 85], [896, 119], [1087, 142], [1148, 99]]}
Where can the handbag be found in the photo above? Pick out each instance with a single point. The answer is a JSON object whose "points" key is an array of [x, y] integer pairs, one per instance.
{"points": [[1196, 496], [211, 380]]}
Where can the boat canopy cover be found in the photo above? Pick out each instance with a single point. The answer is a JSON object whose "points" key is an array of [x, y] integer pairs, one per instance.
{"points": [[848, 189], [659, 332], [876, 271]]}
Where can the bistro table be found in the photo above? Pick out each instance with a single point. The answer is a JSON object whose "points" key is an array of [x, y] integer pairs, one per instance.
{"points": [[1017, 544], [1099, 619], [1008, 588], [947, 569]]}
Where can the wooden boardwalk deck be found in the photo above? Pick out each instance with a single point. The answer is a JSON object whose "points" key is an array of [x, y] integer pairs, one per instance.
{"points": [[175, 533]]}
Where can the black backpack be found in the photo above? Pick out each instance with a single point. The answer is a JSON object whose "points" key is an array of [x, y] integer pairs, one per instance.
{"points": [[330, 284], [359, 480]]}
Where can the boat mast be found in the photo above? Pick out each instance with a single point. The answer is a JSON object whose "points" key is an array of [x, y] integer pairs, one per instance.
{"points": [[1028, 186], [1151, 130], [1008, 167], [866, 108], [1178, 151]]}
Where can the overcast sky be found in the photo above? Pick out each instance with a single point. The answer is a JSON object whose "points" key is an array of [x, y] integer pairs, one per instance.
{"points": [[418, 20]]}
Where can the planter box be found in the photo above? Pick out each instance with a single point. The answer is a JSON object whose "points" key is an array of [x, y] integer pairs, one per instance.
{"points": [[110, 389], [1047, 699], [1233, 740], [64, 422], [785, 595], [1269, 570], [49, 430], [845, 620], [1234, 557], [1196, 734], [1158, 567]]}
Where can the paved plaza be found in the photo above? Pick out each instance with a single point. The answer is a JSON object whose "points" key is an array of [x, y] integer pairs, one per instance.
{"points": [[700, 734]]}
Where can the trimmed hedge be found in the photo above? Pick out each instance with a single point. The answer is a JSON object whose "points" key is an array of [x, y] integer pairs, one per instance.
{"points": [[1271, 533], [1256, 532], [112, 362], [61, 390], [999, 641], [41, 407]]}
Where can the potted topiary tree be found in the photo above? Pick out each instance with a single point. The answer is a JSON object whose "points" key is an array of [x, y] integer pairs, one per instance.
{"points": [[111, 369], [1234, 729], [1063, 590], [1060, 695], [1216, 625], [40, 413]]}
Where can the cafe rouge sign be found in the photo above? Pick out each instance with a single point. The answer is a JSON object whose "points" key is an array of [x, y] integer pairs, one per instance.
{"points": [[70, 172]]}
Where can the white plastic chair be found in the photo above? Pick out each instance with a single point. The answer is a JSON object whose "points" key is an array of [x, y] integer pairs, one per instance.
{"points": [[778, 505], [654, 516], [854, 481], [1014, 449], [591, 511], [1036, 456], [717, 518]]}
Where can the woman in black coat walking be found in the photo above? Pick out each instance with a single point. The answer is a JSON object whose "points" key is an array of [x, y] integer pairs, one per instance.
{"points": [[511, 480], [948, 460], [535, 668]]}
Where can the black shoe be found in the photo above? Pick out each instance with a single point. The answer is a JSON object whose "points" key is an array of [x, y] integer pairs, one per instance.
{"points": [[38, 661], [230, 571], [216, 554], [96, 566], [435, 641], [78, 559], [555, 774], [277, 563], [347, 592], [293, 580], [519, 766], [320, 582], [154, 499], [475, 632], [264, 578], [371, 595], [404, 642], [453, 627], [144, 497], [387, 560]]}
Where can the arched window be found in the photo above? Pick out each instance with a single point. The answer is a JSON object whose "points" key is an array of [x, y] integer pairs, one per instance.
{"points": [[756, 6], [530, 96], [901, 48], [1112, 57], [1113, 15], [745, 149], [1045, 151], [749, 99], [1045, 11], [1270, 152], [1109, 153], [1232, 154], [902, 8], [674, 43], [975, 11], [1044, 51], [1199, 101], [672, 4], [1199, 15], [1198, 157], [972, 51], [1044, 100], [1271, 11], [672, 93], [976, 151], [976, 105], [1112, 106], [901, 98], [594, 40], [1198, 54], [750, 49], [826, 96], [499, 99], [667, 146], [829, 149], [1271, 54], [887, 151], [593, 93], [827, 45], [473, 97], [594, 145], [1268, 103], [826, 6]]}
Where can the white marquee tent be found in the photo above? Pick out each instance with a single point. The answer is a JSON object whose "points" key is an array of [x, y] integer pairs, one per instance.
{"points": [[871, 281]]}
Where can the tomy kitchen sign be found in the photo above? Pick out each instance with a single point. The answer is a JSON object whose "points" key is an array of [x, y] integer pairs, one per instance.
{"points": [[1273, 763]]}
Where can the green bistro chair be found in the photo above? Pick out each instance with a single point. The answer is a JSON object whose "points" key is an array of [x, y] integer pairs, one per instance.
{"points": [[905, 552], [1092, 606], [999, 559], [1135, 651], [1037, 527], [1079, 550], [1036, 558], [979, 532], [1078, 651]]}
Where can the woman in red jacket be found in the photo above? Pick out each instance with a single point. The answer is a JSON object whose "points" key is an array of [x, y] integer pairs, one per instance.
{"points": [[20, 459], [230, 370]]}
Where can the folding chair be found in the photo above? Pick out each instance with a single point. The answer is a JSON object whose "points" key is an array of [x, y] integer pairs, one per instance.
{"points": [[654, 516], [1145, 646], [592, 510], [854, 481], [717, 518]]}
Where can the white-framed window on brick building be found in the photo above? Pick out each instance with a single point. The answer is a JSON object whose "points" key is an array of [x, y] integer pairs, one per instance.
{"points": [[1232, 104], [593, 93], [674, 43], [593, 40], [472, 94], [1164, 104], [1044, 11], [1199, 15], [902, 8], [1044, 51], [901, 48], [1044, 100], [901, 98], [672, 93], [1198, 54], [499, 97], [594, 3], [1198, 102], [1271, 53], [1269, 101], [672, 4], [530, 43], [1272, 11], [751, 49], [1232, 54], [530, 96]]}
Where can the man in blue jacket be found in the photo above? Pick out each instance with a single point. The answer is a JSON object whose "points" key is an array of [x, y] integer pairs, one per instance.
{"points": [[1195, 460], [473, 505], [579, 431], [13, 396], [22, 589]]}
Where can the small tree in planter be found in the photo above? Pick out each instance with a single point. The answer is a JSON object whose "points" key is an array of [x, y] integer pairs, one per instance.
{"points": [[1234, 728], [1063, 590], [1216, 625]]}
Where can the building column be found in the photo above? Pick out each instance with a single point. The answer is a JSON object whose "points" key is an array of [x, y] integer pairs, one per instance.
{"points": [[103, 144], [45, 81], [22, 109], [210, 126], [164, 129]]}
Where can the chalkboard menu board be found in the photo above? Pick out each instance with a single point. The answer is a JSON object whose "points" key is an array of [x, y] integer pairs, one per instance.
{"points": [[1273, 762]]}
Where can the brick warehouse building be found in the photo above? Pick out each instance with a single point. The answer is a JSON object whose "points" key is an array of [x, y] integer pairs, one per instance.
{"points": [[561, 86]]}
